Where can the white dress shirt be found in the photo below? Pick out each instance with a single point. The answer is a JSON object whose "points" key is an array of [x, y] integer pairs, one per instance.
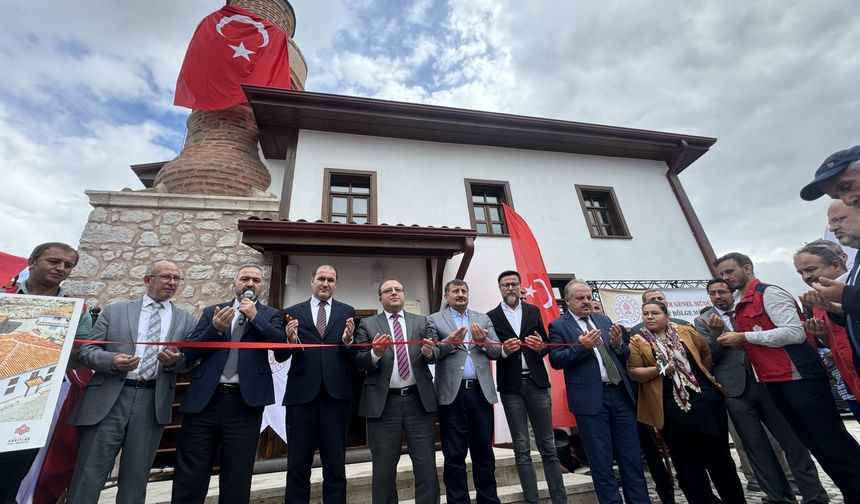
{"points": [[603, 375], [515, 318], [146, 313], [396, 381]]}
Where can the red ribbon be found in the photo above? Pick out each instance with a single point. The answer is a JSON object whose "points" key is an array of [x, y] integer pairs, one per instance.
{"points": [[258, 344]]}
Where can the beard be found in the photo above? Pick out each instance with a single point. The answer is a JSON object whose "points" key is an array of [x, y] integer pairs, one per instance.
{"points": [[511, 299]]}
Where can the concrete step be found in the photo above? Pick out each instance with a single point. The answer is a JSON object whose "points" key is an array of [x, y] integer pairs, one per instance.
{"points": [[580, 490], [269, 488]]}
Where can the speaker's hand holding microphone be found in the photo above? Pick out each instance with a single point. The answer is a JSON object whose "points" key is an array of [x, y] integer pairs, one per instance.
{"points": [[247, 306]]}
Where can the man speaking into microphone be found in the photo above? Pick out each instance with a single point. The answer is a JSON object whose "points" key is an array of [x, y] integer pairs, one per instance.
{"points": [[229, 389]]}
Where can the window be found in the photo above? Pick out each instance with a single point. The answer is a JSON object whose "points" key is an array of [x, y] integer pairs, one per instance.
{"points": [[34, 374], [11, 386], [558, 281], [602, 213], [485, 206], [349, 196]]}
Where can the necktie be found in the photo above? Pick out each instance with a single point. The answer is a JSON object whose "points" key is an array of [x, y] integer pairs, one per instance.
{"points": [[402, 358], [321, 319], [732, 321], [149, 362], [231, 367], [608, 364]]}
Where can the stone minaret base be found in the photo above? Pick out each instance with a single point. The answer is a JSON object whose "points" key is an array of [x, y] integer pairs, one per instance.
{"points": [[127, 231]]}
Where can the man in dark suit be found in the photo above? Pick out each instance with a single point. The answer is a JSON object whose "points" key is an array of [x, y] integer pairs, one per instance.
{"points": [[229, 389], [398, 395], [129, 399], [599, 394], [318, 389], [749, 405], [523, 384], [466, 393]]}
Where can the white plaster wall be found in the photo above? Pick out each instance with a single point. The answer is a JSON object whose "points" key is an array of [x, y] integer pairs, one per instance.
{"points": [[354, 283], [422, 183], [276, 168]]}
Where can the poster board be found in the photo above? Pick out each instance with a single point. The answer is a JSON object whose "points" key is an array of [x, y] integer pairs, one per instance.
{"points": [[36, 338], [624, 306]]}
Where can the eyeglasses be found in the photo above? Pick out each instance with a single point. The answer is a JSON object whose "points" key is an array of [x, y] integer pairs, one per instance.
{"points": [[391, 290], [719, 293], [509, 285], [167, 278]]}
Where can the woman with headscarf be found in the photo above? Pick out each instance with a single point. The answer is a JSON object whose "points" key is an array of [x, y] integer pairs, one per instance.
{"points": [[679, 396]]}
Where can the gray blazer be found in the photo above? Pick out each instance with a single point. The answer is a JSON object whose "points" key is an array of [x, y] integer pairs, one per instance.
{"points": [[729, 367], [450, 358], [374, 391], [118, 322]]}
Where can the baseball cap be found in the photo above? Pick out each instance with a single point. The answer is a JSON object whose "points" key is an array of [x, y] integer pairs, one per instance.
{"points": [[832, 166]]}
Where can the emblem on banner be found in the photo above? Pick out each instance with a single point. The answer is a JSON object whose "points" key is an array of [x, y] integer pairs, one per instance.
{"points": [[22, 429], [627, 309]]}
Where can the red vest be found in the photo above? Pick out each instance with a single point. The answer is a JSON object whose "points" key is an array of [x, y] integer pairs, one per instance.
{"points": [[840, 347], [791, 362]]}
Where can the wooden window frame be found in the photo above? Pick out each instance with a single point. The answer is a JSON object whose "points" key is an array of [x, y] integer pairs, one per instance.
{"points": [[615, 212], [505, 187], [328, 173]]}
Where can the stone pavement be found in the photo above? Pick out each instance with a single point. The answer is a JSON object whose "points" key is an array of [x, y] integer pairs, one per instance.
{"points": [[851, 424]]}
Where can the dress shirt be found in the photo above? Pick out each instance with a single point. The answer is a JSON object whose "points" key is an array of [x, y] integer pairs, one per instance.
{"points": [[469, 372], [396, 381], [604, 377], [515, 318], [146, 313], [315, 306], [782, 310], [724, 316]]}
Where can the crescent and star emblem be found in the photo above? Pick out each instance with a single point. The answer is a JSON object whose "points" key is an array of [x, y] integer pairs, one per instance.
{"points": [[530, 292], [240, 51]]}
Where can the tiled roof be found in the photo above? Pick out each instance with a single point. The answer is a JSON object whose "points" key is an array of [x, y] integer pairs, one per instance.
{"points": [[23, 352]]}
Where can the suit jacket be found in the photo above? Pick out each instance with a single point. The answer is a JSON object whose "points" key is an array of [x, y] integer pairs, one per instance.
{"points": [[509, 369], [374, 391], [851, 321], [729, 364], [255, 372], [650, 407], [450, 358], [312, 367], [581, 370], [119, 322]]}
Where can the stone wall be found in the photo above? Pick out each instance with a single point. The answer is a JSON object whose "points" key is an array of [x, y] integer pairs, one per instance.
{"points": [[128, 230]]}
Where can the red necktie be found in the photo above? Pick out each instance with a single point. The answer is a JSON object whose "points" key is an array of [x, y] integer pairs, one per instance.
{"points": [[402, 358]]}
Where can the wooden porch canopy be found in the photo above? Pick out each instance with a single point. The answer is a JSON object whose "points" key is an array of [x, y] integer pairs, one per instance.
{"points": [[434, 244]]}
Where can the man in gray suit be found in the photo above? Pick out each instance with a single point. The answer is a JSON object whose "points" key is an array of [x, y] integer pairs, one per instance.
{"points": [[128, 401], [398, 395], [750, 406], [466, 393]]}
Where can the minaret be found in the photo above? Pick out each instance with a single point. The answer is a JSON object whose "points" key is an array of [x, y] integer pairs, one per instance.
{"points": [[220, 156]]}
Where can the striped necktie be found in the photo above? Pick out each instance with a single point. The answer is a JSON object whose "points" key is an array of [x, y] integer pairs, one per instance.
{"points": [[321, 319], [402, 358], [149, 362]]}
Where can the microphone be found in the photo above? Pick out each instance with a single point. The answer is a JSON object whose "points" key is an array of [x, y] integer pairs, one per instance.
{"points": [[247, 294]]}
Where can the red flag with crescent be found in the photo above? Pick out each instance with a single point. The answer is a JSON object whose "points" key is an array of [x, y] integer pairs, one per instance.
{"points": [[538, 289], [231, 47]]}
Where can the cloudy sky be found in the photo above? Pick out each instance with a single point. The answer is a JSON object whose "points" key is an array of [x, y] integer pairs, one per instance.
{"points": [[87, 90]]}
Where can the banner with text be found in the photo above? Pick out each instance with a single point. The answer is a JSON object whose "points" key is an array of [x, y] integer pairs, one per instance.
{"points": [[624, 306], [36, 338]]}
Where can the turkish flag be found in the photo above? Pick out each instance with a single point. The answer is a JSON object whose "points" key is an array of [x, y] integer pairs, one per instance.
{"points": [[535, 280], [10, 266], [231, 47]]}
